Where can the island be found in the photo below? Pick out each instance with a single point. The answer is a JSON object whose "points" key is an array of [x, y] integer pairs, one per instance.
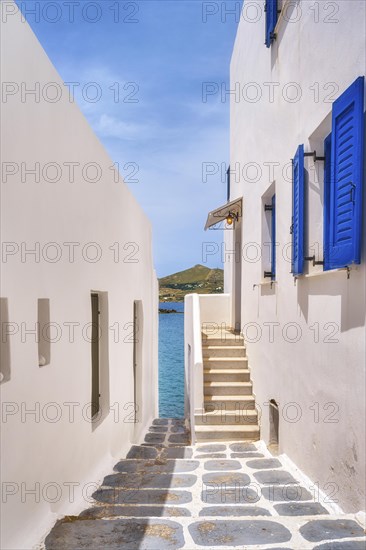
{"points": [[198, 279]]}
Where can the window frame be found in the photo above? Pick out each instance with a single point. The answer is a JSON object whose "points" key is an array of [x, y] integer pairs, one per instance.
{"points": [[344, 157]]}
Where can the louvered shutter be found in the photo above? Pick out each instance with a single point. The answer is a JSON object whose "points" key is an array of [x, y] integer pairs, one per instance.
{"points": [[271, 20], [298, 212], [346, 174]]}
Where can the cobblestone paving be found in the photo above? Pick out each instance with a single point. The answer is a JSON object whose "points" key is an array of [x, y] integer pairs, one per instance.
{"points": [[167, 495]]}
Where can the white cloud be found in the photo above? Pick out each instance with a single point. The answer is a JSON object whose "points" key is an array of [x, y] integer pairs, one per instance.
{"points": [[110, 127]]}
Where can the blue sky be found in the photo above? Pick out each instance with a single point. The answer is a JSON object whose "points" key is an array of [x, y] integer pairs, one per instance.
{"points": [[159, 130]]}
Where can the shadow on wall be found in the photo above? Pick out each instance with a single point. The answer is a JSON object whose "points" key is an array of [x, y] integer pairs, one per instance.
{"points": [[4, 342], [351, 294], [268, 290], [133, 497]]}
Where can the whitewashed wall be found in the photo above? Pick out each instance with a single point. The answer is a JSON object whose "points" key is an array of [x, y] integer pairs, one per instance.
{"points": [[59, 451], [320, 386]]}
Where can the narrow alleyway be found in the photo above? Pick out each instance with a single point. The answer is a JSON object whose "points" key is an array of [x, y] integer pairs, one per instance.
{"points": [[167, 495]]}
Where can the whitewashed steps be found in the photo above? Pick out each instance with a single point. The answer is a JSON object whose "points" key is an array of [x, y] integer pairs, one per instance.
{"points": [[227, 433], [227, 418], [226, 375], [229, 341], [229, 405], [223, 351], [228, 388], [229, 402], [225, 362]]}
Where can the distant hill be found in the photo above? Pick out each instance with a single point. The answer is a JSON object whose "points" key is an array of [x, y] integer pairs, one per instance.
{"points": [[198, 279]]}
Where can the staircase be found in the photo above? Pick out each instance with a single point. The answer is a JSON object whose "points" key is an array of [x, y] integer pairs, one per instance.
{"points": [[229, 405]]}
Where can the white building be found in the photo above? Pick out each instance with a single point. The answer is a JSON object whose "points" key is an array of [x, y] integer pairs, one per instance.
{"points": [[76, 256], [297, 291]]}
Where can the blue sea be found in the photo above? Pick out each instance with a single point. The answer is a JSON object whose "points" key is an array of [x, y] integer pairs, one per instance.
{"points": [[171, 361]]}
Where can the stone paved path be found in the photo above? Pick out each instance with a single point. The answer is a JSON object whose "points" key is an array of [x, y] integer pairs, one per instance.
{"points": [[167, 495]]}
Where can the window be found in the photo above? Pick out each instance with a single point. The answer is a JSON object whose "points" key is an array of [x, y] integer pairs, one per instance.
{"points": [[270, 9], [43, 327], [138, 320], [5, 371], [228, 184], [273, 240], [95, 405], [343, 180], [343, 186], [269, 233], [98, 339], [297, 226]]}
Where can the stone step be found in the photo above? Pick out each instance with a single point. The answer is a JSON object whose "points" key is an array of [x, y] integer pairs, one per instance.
{"points": [[224, 341], [226, 375], [227, 418], [225, 362], [229, 402], [227, 433], [223, 351], [228, 388]]}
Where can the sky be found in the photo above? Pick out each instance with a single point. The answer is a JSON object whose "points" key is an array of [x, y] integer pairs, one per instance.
{"points": [[157, 107]]}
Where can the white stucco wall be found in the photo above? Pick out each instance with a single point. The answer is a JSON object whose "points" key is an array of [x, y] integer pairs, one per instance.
{"points": [[319, 384], [69, 451], [215, 312]]}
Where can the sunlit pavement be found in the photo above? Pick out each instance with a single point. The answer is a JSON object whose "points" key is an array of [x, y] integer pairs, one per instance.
{"points": [[167, 494]]}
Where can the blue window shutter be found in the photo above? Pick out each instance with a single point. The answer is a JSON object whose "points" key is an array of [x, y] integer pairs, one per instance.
{"points": [[273, 240], [346, 175], [326, 202], [271, 20], [298, 212]]}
